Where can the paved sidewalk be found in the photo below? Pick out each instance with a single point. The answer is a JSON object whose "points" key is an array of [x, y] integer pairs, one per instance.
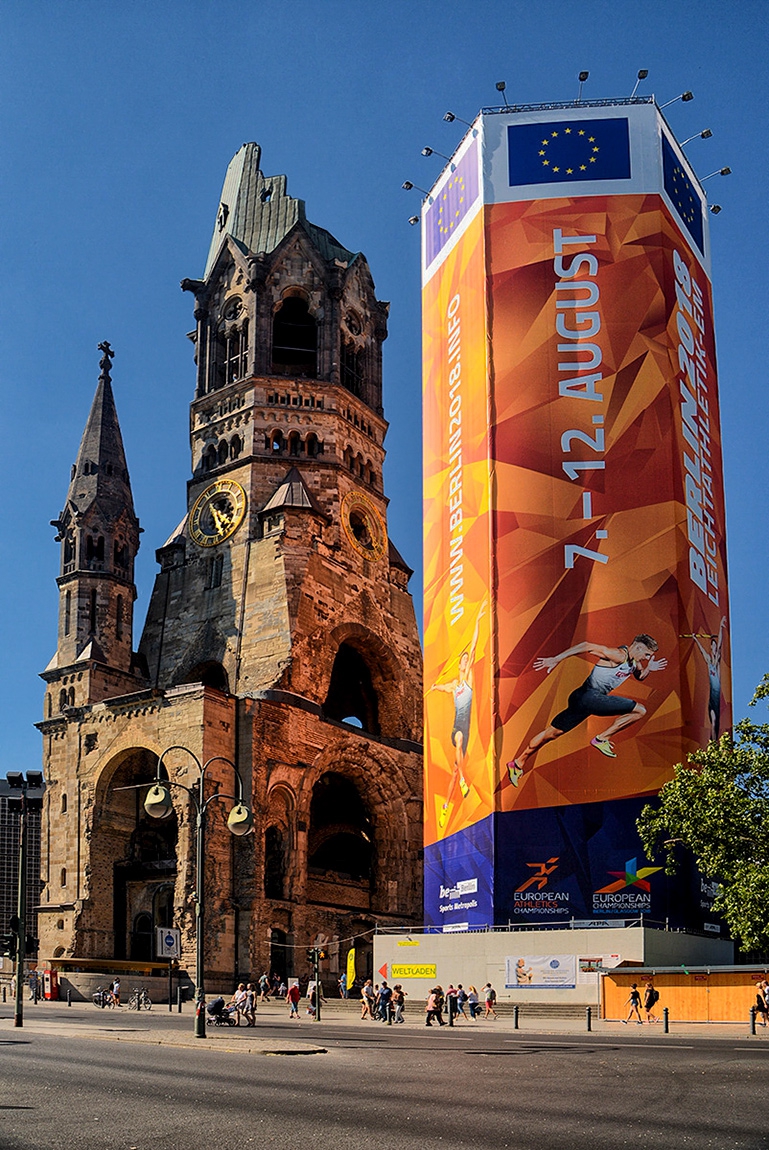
{"points": [[159, 1027]]}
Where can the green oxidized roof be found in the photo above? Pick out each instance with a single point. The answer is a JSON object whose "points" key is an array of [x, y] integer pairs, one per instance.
{"points": [[257, 211]]}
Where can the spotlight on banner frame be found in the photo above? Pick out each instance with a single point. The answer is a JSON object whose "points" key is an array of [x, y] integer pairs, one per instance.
{"points": [[642, 74], [685, 96], [718, 172], [501, 86], [407, 186], [705, 134], [582, 78]]}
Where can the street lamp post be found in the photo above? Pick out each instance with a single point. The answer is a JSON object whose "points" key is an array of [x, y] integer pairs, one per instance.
{"points": [[159, 805], [21, 804]]}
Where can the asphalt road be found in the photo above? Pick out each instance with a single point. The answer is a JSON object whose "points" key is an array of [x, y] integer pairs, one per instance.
{"points": [[84, 1079]]}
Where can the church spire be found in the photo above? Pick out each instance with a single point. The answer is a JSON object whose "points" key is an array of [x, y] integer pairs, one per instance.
{"points": [[99, 534]]}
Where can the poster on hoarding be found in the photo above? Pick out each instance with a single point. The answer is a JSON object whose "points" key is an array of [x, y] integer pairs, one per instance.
{"points": [[541, 972]]}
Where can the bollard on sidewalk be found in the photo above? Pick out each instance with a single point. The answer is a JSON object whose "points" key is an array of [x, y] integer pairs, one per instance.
{"points": [[753, 1021], [178, 1000], [69, 998], [515, 1018], [665, 1021], [589, 1017]]}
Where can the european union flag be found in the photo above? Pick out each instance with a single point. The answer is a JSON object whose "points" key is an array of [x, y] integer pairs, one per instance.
{"points": [[563, 151], [452, 203], [681, 191]]}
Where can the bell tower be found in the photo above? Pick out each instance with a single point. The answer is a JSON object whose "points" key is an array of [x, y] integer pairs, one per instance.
{"points": [[99, 536]]}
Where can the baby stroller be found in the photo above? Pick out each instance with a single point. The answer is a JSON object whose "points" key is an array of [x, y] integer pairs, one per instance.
{"points": [[218, 1014]]}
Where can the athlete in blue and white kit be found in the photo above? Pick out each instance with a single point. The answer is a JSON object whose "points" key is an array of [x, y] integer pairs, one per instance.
{"points": [[615, 664]]}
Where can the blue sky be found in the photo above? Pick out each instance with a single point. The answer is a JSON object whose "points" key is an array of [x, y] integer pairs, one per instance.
{"points": [[118, 124]]}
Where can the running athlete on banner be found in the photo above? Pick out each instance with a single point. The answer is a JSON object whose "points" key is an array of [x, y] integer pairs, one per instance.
{"points": [[615, 664], [461, 689]]}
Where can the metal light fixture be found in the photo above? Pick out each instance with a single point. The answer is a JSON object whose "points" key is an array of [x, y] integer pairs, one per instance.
{"points": [[685, 96], [407, 186], [500, 86], [705, 134], [715, 209], [642, 74], [450, 117], [413, 220], [718, 172], [240, 821], [582, 77]]}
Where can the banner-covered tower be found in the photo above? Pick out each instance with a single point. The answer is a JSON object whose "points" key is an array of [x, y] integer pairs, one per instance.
{"points": [[576, 620]]}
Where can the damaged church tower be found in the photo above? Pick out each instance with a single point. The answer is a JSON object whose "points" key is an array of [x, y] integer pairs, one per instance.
{"points": [[280, 633]]}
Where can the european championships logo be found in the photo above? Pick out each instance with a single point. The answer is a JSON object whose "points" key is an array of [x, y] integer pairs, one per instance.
{"points": [[631, 876]]}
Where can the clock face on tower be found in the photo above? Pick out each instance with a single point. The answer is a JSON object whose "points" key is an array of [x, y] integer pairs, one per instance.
{"points": [[363, 525], [217, 513]]}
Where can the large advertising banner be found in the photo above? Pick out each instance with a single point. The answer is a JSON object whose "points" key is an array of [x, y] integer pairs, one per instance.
{"points": [[458, 663], [609, 518], [576, 616]]}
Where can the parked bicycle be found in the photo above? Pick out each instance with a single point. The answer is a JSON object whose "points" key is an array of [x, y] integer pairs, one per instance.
{"points": [[139, 999], [103, 996]]}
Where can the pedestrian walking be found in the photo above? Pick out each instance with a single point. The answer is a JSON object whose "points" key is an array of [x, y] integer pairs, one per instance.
{"points": [[651, 998], [473, 1003], [249, 1005], [462, 997], [490, 999], [634, 1003], [762, 1004], [116, 991], [399, 1001], [367, 999], [385, 997], [343, 985], [292, 998], [434, 1007]]}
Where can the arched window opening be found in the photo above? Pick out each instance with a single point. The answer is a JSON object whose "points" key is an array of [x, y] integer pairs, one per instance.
{"points": [[277, 443], [69, 548], [223, 453], [351, 367], [121, 553], [312, 445], [63, 876], [351, 693], [94, 548], [236, 446], [141, 938], [92, 611], [210, 674], [280, 954], [163, 906], [71, 697], [209, 458], [67, 611], [62, 698], [215, 568], [294, 443], [64, 804], [294, 339], [48, 705], [119, 617], [274, 863], [341, 833]]}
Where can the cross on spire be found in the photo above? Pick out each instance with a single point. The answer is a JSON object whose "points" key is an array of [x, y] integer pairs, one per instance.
{"points": [[105, 363]]}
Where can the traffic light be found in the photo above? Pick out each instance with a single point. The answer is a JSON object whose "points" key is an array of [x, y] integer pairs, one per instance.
{"points": [[8, 945], [31, 945], [322, 955]]}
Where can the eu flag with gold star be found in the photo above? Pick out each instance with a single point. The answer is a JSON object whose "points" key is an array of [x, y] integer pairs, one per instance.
{"points": [[562, 151], [681, 191], [452, 203]]}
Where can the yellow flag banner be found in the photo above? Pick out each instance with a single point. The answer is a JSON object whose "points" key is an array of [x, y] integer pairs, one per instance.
{"points": [[350, 968]]}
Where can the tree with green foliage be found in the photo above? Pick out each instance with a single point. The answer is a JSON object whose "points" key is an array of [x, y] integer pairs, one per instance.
{"points": [[717, 806]]}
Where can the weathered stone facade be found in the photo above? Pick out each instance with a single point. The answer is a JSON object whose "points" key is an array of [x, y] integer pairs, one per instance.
{"points": [[280, 634]]}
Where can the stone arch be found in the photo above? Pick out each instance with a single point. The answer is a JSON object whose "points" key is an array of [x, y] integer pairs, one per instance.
{"points": [[374, 772], [210, 674], [375, 697], [131, 853], [294, 335]]}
